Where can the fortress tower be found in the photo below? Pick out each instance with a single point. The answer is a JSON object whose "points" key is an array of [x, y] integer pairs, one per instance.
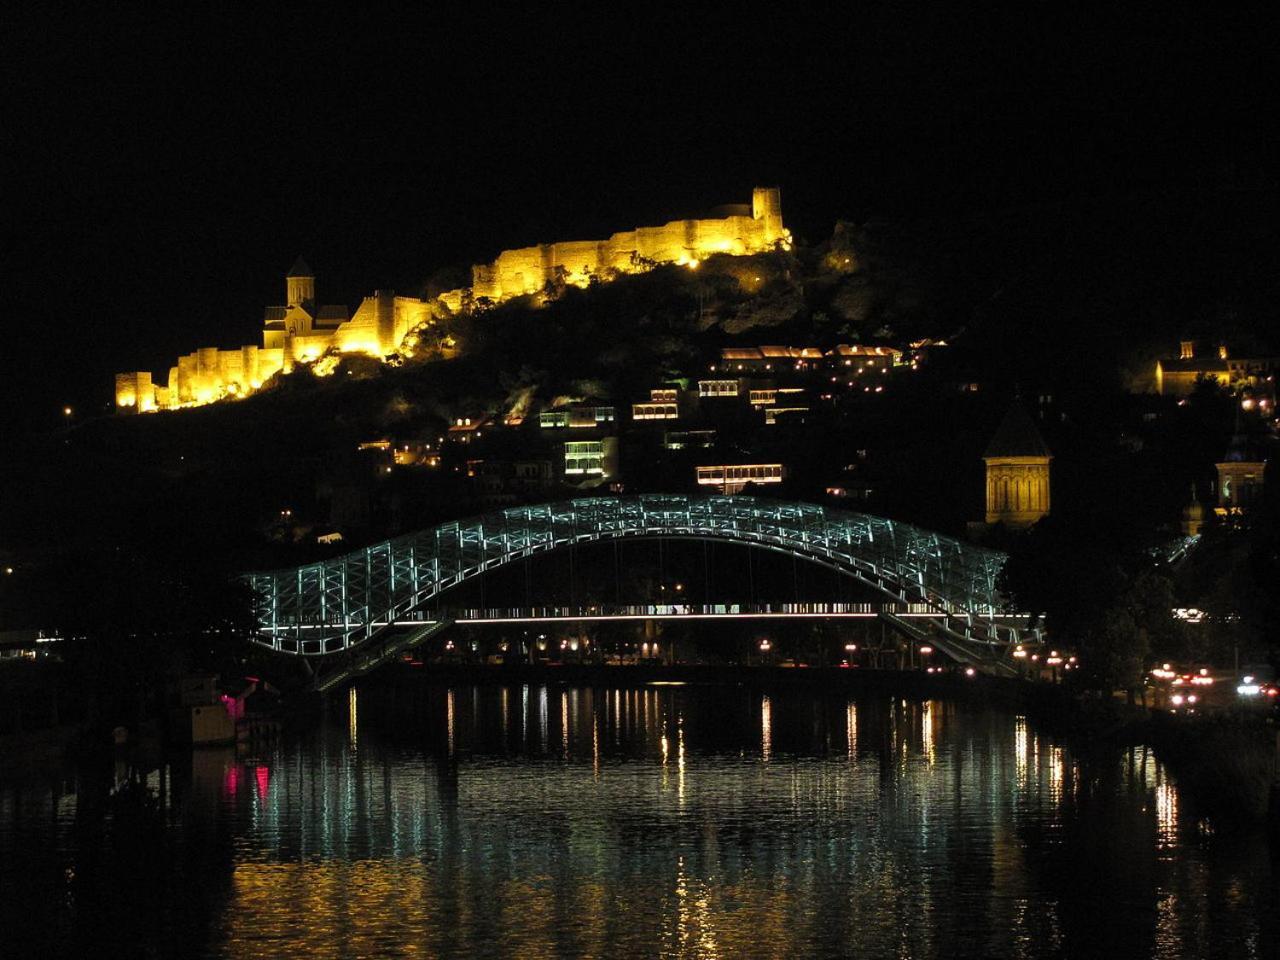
{"points": [[766, 206], [300, 285], [1017, 462]]}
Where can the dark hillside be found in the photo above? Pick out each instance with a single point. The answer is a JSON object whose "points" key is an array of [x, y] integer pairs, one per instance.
{"points": [[1067, 301]]}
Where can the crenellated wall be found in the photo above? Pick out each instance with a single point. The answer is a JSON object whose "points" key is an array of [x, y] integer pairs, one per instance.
{"points": [[529, 269], [300, 332], [291, 337]]}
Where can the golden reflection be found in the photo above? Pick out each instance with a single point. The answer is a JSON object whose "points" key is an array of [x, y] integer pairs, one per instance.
{"points": [[1056, 773], [1166, 812], [1021, 748], [766, 729], [449, 708], [542, 719], [353, 721], [564, 723], [357, 908], [617, 716], [851, 728], [680, 760], [926, 730], [695, 920], [595, 744], [506, 711]]}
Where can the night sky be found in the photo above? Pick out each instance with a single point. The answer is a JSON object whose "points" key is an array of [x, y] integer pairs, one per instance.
{"points": [[162, 172]]}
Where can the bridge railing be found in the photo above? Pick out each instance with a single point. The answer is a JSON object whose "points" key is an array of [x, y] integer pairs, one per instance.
{"points": [[341, 603]]}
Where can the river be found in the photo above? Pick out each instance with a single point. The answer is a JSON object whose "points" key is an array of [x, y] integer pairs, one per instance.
{"points": [[665, 821]]}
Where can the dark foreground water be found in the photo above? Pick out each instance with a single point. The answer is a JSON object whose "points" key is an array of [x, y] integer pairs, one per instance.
{"points": [[668, 821]]}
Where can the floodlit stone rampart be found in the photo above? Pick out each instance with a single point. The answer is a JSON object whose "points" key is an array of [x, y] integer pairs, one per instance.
{"points": [[303, 332]]}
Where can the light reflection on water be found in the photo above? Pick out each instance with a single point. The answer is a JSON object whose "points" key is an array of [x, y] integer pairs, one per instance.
{"points": [[683, 822]]}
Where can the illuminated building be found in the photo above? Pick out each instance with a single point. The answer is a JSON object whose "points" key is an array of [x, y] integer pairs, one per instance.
{"points": [[591, 459], [299, 332], [1179, 376], [768, 358], [663, 404], [1017, 462], [778, 358], [794, 413], [466, 429], [576, 417], [849, 354], [1241, 472], [719, 388], [731, 478]]}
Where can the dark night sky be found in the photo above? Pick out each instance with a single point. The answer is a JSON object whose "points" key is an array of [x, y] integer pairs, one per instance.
{"points": [[162, 172]]}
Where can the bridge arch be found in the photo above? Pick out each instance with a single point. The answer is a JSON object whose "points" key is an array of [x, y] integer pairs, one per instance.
{"points": [[342, 603]]}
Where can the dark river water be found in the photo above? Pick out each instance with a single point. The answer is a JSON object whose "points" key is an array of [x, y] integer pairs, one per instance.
{"points": [[669, 821]]}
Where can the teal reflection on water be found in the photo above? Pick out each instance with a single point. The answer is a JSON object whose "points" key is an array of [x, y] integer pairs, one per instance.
{"points": [[539, 821]]}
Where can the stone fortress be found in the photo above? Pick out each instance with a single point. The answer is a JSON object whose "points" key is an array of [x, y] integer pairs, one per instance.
{"points": [[304, 332]]}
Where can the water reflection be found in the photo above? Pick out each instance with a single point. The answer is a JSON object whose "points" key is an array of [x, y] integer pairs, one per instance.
{"points": [[926, 730], [353, 713], [436, 822], [766, 728]]}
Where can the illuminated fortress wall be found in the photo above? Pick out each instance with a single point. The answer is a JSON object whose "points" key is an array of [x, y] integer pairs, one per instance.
{"points": [[297, 333], [527, 270], [304, 332]]}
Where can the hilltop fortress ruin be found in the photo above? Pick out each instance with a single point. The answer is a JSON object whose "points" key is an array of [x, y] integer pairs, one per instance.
{"points": [[302, 331]]}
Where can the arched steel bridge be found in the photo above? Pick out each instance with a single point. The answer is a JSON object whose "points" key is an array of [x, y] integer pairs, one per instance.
{"points": [[347, 602]]}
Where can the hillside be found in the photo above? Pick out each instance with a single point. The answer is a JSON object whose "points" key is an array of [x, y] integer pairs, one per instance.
{"points": [[1069, 302]]}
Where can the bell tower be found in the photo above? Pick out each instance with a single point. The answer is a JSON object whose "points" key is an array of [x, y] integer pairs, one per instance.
{"points": [[1243, 469], [300, 285], [1192, 515], [1017, 462]]}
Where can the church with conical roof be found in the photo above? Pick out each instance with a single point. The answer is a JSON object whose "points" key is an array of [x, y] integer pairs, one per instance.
{"points": [[1017, 462], [1241, 470]]}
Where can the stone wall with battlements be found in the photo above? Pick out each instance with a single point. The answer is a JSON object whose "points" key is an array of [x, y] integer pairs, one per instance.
{"points": [[302, 332]]}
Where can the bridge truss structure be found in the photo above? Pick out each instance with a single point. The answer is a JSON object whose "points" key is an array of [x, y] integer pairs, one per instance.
{"points": [[364, 597]]}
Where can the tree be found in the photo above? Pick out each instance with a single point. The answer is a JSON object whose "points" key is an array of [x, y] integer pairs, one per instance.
{"points": [[1091, 581]]}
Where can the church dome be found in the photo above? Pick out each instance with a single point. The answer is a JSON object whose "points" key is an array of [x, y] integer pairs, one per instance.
{"points": [[1017, 436]]}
